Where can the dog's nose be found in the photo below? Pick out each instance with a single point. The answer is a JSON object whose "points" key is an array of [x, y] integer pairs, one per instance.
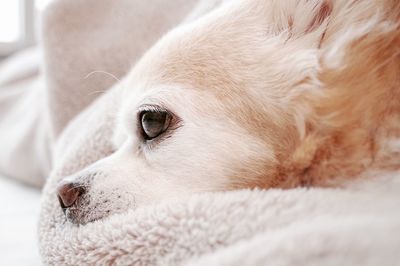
{"points": [[68, 193]]}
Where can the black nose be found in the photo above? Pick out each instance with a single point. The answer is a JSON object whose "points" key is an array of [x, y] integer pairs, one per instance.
{"points": [[68, 193]]}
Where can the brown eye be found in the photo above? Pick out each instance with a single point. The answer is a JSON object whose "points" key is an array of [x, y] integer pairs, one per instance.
{"points": [[154, 123]]}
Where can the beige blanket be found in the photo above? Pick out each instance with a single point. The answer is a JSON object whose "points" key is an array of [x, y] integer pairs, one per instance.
{"points": [[83, 39]]}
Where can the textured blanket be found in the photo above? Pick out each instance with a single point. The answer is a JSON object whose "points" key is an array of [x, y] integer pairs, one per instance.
{"points": [[353, 226], [358, 224]]}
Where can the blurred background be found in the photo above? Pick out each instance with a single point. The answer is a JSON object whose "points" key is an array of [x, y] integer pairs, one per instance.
{"points": [[19, 27], [19, 24]]}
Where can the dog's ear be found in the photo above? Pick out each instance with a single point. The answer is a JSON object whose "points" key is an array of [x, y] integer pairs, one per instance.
{"points": [[361, 76], [358, 88], [304, 21], [322, 11]]}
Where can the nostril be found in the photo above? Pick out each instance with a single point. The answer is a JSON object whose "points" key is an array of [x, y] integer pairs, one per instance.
{"points": [[61, 204], [68, 193]]}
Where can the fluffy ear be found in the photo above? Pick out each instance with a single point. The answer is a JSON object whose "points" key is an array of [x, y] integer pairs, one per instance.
{"points": [[358, 90], [304, 21], [322, 11], [360, 73]]}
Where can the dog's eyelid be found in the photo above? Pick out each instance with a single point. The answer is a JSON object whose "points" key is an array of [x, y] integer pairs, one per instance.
{"points": [[158, 108], [153, 108]]}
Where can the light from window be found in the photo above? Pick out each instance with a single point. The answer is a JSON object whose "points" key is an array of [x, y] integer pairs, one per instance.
{"points": [[41, 4], [10, 28]]}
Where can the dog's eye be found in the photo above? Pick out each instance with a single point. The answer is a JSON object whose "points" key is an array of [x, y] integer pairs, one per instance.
{"points": [[154, 123]]}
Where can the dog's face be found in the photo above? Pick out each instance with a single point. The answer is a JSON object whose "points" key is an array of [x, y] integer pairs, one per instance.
{"points": [[214, 106]]}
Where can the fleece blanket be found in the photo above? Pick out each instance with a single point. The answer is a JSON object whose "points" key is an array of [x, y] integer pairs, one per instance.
{"points": [[82, 40]]}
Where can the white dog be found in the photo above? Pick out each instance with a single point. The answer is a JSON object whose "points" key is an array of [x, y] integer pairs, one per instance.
{"points": [[252, 93]]}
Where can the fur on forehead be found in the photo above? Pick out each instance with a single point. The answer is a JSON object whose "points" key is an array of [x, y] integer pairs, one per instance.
{"points": [[265, 52], [279, 64], [262, 48], [245, 55]]}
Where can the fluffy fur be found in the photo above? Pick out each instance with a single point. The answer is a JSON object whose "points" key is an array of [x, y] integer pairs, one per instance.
{"points": [[269, 94]]}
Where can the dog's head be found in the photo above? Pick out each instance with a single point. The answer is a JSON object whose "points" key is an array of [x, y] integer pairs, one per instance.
{"points": [[231, 100]]}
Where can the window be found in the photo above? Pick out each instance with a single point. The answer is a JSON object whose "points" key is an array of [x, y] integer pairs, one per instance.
{"points": [[17, 24], [10, 30]]}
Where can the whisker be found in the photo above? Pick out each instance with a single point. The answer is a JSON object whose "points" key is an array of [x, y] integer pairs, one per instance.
{"points": [[94, 92], [102, 72]]}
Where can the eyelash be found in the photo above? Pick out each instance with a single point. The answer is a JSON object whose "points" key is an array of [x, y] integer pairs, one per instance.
{"points": [[154, 108]]}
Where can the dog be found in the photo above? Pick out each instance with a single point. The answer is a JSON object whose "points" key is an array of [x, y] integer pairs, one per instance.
{"points": [[252, 94]]}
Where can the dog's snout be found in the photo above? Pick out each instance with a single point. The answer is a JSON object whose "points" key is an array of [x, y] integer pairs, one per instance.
{"points": [[68, 193]]}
